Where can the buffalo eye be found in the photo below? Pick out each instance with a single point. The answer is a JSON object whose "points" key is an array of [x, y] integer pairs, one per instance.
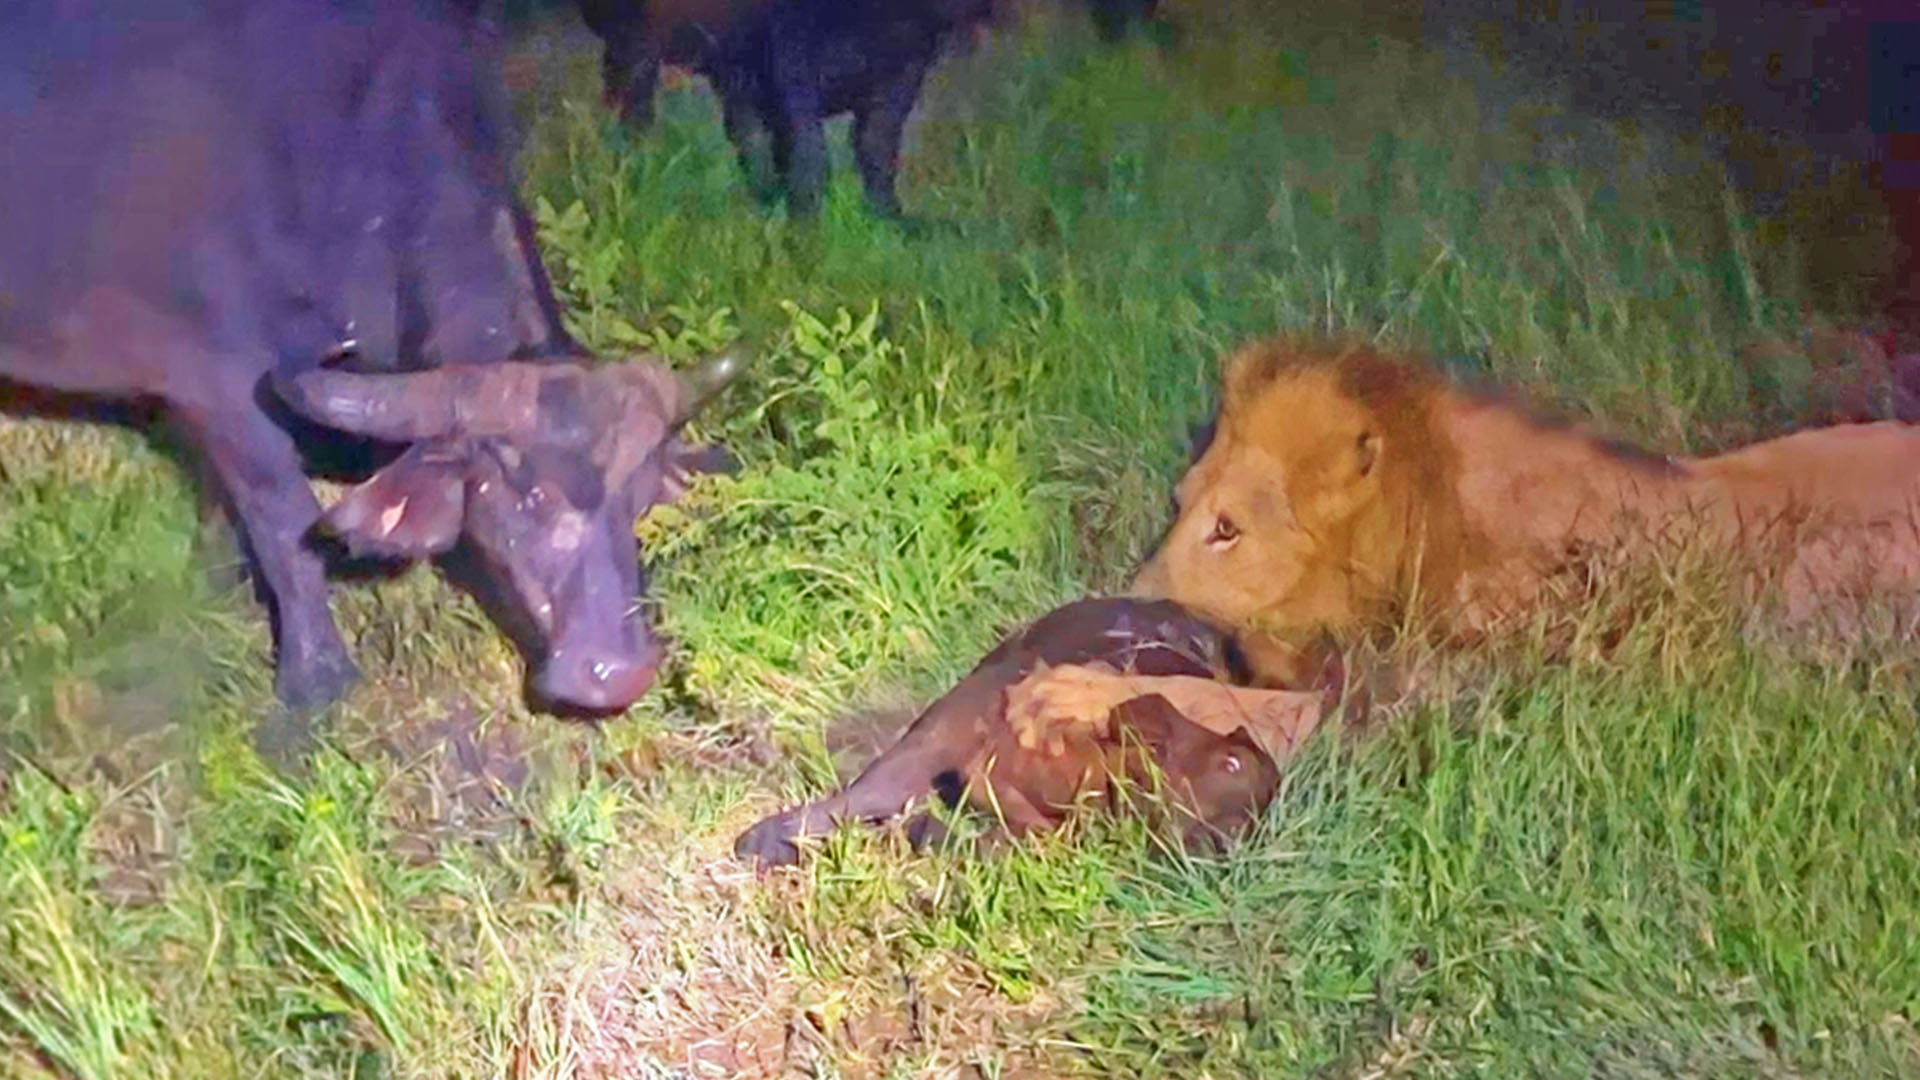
{"points": [[1224, 533]]}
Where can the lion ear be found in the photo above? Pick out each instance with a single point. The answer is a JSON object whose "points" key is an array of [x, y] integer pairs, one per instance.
{"points": [[1366, 453]]}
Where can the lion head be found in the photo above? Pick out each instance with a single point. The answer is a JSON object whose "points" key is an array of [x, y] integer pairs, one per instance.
{"points": [[1315, 504]]}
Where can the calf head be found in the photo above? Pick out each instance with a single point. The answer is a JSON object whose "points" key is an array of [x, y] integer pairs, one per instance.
{"points": [[540, 470], [1216, 785]]}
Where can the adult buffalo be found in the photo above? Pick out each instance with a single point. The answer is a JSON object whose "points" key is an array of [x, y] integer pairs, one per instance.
{"points": [[290, 224], [787, 66]]}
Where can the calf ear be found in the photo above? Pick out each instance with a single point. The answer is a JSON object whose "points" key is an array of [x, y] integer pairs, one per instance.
{"points": [[1152, 719], [412, 509], [1242, 737]]}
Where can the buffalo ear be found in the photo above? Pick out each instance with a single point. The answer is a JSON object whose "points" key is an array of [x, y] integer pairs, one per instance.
{"points": [[412, 509], [683, 460]]}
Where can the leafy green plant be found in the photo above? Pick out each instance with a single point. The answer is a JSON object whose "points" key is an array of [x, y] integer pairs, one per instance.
{"points": [[587, 264], [874, 531]]}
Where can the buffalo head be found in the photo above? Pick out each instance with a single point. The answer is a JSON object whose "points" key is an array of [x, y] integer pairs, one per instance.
{"points": [[541, 469]]}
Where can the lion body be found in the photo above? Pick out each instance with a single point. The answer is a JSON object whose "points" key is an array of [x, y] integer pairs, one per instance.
{"points": [[1347, 490]]}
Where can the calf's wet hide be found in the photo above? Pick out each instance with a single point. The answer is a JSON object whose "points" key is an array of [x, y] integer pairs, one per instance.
{"points": [[1201, 786]]}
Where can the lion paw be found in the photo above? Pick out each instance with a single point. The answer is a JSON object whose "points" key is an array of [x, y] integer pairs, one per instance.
{"points": [[1051, 704]]}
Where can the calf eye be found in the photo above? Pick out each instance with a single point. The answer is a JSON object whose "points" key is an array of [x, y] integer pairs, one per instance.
{"points": [[1230, 763], [1224, 531]]}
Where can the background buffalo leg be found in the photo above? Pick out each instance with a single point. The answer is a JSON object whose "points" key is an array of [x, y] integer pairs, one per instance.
{"points": [[877, 129], [800, 143], [628, 67], [742, 121]]}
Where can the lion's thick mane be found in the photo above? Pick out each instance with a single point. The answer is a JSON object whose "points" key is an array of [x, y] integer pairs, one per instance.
{"points": [[1404, 496]]}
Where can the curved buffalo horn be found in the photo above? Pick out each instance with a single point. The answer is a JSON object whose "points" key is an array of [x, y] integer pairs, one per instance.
{"points": [[399, 407], [699, 386]]}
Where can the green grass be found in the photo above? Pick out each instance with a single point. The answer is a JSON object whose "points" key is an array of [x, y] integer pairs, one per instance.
{"points": [[1703, 860]]}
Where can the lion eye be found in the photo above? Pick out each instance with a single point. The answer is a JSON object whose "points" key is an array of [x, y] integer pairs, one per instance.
{"points": [[1224, 531]]}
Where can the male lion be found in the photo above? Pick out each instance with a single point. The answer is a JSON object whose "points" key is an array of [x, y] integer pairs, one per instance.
{"points": [[1345, 491]]}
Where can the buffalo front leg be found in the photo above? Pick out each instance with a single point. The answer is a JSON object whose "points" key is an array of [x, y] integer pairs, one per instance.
{"points": [[258, 470], [878, 126]]}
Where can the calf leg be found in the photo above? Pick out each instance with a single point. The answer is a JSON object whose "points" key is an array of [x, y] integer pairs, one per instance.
{"points": [[1016, 812], [932, 757], [877, 128], [258, 470]]}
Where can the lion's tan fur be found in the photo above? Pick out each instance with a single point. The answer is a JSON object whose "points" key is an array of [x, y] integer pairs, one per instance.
{"points": [[1364, 489]]}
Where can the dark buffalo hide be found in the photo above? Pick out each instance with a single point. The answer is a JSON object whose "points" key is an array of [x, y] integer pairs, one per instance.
{"points": [[785, 67]]}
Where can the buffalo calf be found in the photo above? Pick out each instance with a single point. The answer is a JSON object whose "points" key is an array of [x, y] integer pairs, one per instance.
{"points": [[963, 749]]}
